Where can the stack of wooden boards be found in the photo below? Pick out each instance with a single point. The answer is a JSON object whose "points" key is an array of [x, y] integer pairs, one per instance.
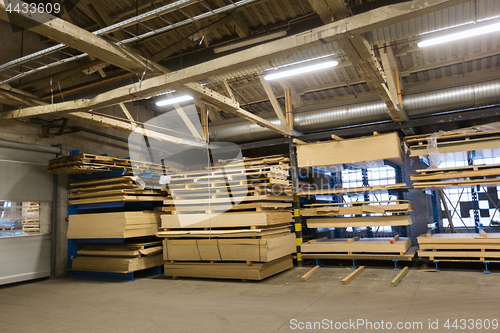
{"points": [[438, 178], [206, 236], [125, 257], [460, 247], [112, 189], [88, 163], [366, 152], [465, 139]]}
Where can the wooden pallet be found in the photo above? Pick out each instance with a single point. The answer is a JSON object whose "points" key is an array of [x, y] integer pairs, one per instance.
{"points": [[228, 270]]}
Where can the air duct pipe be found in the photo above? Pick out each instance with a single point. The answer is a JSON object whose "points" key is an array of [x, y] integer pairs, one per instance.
{"points": [[458, 98]]}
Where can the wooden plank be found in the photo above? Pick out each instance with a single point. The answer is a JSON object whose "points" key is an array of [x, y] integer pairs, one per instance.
{"points": [[399, 277], [363, 221], [306, 276], [408, 256], [357, 151], [274, 102], [399, 186], [223, 270], [351, 276], [365, 245]]}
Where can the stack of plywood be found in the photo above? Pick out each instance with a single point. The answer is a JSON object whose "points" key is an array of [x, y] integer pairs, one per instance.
{"points": [[465, 139], [118, 258], [460, 247], [88, 163], [113, 225], [438, 178], [366, 152], [31, 226], [111, 189], [208, 236]]}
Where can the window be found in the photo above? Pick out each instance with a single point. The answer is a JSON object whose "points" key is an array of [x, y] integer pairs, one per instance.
{"points": [[19, 218]]}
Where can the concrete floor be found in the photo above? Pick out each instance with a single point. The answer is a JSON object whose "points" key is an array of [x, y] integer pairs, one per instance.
{"points": [[159, 304]]}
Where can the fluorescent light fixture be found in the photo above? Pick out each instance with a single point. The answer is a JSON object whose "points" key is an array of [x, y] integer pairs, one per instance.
{"points": [[302, 70], [460, 35], [251, 41], [174, 100]]}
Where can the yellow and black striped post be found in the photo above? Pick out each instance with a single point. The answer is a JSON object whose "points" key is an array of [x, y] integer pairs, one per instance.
{"points": [[298, 228], [296, 202]]}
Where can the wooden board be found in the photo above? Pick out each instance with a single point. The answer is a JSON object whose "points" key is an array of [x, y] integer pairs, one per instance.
{"points": [[336, 210], [115, 265], [355, 151], [362, 221], [225, 233], [398, 186], [238, 249], [225, 200], [218, 270], [113, 225], [351, 276], [124, 197], [236, 219], [491, 142], [399, 277], [408, 256], [366, 245], [459, 238]]}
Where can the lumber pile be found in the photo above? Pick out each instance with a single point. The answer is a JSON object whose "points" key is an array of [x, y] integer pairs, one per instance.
{"points": [[460, 247], [117, 188], [439, 178], [208, 235], [118, 258], [358, 153], [465, 139], [113, 225], [88, 163]]}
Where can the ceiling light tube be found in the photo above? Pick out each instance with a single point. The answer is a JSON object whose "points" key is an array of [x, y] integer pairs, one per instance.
{"points": [[174, 100], [301, 70], [460, 35]]}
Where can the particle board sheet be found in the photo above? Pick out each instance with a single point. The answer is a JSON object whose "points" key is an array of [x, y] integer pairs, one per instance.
{"points": [[356, 209], [115, 265], [237, 249], [408, 256], [348, 190], [359, 221], [223, 270], [225, 220], [226, 233], [127, 249], [248, 198], [365, 245], [362, 152], [113, 225], [460, 245]]}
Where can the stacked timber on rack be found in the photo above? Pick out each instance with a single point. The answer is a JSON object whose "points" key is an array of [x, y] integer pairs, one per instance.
{"points": [[125, 257], [207, 236], [460, 247], [439, 178], [116, 188], [465, 139], [480, 246], [88, 163], [366, 152], [112, 223]]}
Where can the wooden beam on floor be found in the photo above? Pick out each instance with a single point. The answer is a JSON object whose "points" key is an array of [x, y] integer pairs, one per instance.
{"points": [[306, 276], [399, 277], [351, 276]]}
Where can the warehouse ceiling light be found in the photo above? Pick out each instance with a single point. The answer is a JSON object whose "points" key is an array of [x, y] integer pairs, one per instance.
{"points": [[460, 35], [302, 70], [174, 100]]}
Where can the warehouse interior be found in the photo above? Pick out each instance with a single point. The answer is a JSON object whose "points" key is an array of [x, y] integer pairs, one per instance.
{"points": [[249, 165]]}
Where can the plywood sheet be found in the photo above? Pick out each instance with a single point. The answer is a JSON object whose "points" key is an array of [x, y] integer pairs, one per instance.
{"points": [[356, 151], [366, 245], [362, 221]]}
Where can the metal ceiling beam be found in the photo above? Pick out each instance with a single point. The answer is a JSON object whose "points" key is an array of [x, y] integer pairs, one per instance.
{"points": [[334, 31]]}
